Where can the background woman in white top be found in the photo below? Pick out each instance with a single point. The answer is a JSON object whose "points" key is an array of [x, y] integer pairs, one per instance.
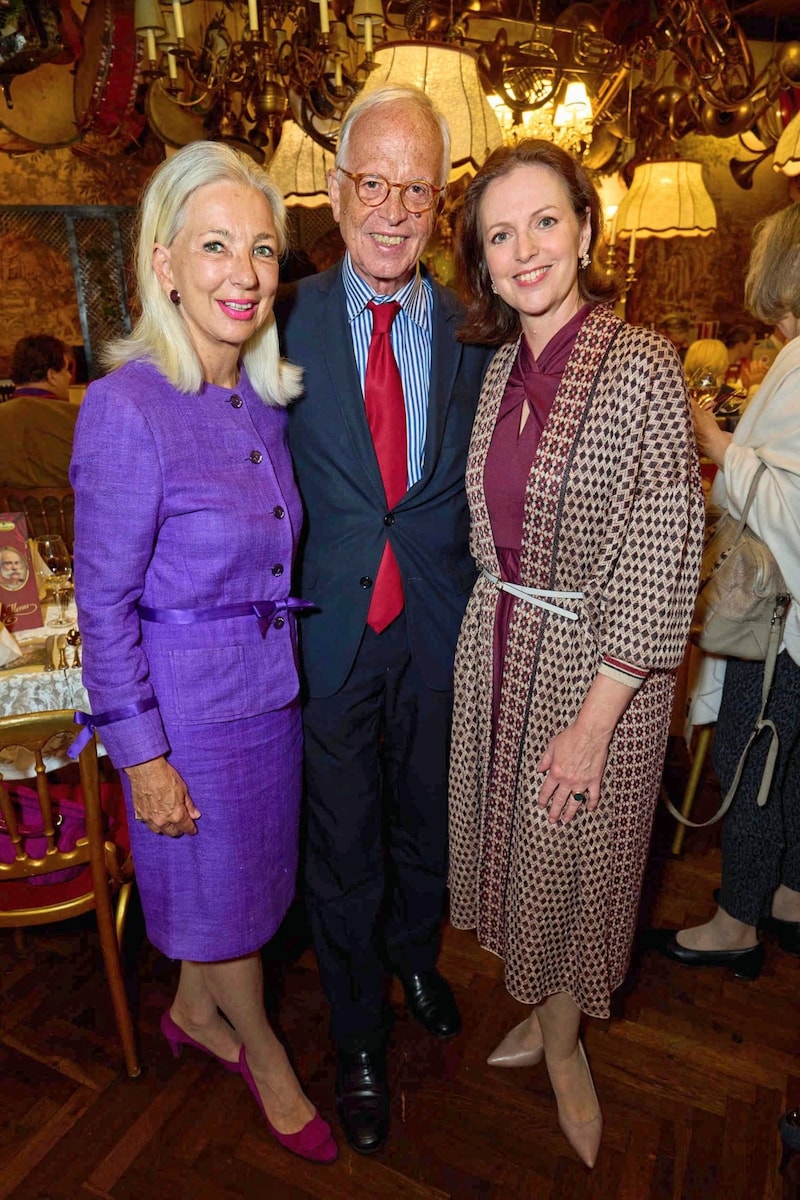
{"points": [[761, 846]]}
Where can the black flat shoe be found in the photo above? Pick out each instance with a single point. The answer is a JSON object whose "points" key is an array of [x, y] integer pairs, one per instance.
{"points": [[362, 1099], [746, 964], [789, 1129], [787, 933], [431, 1002]]}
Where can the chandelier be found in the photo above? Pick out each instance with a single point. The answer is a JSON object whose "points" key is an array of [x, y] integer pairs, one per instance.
{"points": [[609, 85], [237, 69]]}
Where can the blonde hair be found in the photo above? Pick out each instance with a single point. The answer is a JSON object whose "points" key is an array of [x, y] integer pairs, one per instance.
{"points": [[772, 286], [706, 354], [160, 335]]}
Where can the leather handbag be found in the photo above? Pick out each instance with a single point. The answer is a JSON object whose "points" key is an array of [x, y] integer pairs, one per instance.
{"points": [[740, 613], [743, 596]]}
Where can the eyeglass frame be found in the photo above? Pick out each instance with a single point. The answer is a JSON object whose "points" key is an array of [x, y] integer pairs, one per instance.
{"points": [[438, 192]]}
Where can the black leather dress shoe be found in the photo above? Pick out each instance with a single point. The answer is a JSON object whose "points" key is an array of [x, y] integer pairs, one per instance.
{"points": [[787, 933], [362, 1099], [431, 1002], [746, 964]]}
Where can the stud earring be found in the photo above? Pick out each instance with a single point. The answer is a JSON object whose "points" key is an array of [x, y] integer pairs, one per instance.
{"points": [[175, 297], [494, 287], [584, 260]]}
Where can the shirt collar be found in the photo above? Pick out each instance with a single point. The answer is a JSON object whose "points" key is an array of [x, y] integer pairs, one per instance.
{"points": [[34, 391], [411, 297]]}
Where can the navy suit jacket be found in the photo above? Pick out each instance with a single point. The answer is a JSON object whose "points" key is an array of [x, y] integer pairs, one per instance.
{"points": [[347, 519]]}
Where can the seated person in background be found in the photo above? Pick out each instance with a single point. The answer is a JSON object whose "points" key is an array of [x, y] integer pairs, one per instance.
{"points": [[705, 366], [38, 423], [738, 340], [680, 330]]}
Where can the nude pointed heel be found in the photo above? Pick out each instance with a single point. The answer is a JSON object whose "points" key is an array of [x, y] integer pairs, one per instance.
{"points": [[583, 1136], [514, 1051]]}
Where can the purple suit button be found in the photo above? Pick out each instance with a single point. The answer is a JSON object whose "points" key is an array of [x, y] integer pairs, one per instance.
{"points": [[256, 456]]}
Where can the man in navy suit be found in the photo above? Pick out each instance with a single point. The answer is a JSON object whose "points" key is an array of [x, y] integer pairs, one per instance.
{"points": [[378, 704]]}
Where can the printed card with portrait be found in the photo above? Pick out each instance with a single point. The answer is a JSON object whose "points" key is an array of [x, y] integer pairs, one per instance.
{"points": [[19, 591]]}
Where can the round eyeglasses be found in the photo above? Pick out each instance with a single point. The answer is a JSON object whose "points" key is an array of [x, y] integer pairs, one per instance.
{"points": [[416, 196]]}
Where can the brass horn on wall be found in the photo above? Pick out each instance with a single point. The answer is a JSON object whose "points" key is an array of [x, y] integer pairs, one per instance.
{"points": [[743, 170]]}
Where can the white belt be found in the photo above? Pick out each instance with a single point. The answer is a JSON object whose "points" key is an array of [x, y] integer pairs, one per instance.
{"points": [[538, 596]]}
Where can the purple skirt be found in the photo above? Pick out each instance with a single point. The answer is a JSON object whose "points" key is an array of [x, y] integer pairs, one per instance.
{"points": [[224, 892]]}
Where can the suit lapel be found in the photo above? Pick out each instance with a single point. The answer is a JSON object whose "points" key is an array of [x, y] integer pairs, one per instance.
{"points": [[445, 361], [337, 349]]}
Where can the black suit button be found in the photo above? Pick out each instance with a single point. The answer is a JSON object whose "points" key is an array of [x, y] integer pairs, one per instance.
{"points": [[278, 512], [237, 401], [256, 456], [279, 622], [365, 581], [389, 519], [277, 569]]}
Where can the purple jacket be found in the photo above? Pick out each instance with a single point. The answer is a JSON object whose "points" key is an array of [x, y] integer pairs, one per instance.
{"points": [[181, 502]]}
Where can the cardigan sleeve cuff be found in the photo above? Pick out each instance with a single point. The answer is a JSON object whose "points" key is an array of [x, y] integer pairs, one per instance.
{"points": [[632, 676]]}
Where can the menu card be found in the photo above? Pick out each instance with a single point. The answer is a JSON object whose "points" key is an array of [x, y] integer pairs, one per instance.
{"points": [[19, 590]]}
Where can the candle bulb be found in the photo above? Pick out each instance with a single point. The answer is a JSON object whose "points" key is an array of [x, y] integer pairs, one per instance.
{"points": [[172, 66], [324, 19], [613, 240], [151, 45], [180, 32], [252, 15], [368, 35], [632, 251]]}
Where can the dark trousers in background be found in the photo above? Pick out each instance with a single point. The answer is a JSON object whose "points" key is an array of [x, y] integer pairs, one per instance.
{"points": [[376, 763], [760, 846]]}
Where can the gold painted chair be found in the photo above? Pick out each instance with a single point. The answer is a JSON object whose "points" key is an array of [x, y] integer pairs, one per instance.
{"points": [[99, 869], [47, 510]]}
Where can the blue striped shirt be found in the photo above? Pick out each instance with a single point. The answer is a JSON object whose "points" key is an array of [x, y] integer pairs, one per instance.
{"points": [[411, 342]]}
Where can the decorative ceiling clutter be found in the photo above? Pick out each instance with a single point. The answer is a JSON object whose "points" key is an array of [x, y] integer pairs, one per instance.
{"points": [[618, 83]]}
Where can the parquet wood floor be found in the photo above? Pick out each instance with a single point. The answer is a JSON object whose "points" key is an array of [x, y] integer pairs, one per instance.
{"points": [[692, 1070]]}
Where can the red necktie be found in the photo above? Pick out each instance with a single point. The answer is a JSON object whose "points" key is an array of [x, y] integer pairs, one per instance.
{"points": [[386, 416]]}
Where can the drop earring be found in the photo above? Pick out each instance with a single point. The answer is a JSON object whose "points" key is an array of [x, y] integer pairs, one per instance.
{"points": [[584, 260], [494, 286], [175, 297]]}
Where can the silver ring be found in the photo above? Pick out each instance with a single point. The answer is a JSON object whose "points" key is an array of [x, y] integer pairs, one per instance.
{"points": [[580, 797]]}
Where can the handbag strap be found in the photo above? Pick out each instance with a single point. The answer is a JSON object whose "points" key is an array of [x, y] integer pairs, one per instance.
{"points": [[761, 723], [751, 494]]}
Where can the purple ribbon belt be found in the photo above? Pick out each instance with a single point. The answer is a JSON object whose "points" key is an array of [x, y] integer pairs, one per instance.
{"points": [[90, 721], [265, 610]]}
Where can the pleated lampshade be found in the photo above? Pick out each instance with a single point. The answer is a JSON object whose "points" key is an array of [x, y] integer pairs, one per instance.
{"points": [[299, 168], [450, 77], [787, 152], [667, 199]]}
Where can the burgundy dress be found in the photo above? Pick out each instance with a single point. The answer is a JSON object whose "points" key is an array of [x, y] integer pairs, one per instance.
{"points": [[508, 465]]}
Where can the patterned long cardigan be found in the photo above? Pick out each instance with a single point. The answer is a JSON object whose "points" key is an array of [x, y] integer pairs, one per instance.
{"points": [[614, 509]]}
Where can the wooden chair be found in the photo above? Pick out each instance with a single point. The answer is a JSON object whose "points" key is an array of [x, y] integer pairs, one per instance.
{"points": [[101, 875], [47, 510]]}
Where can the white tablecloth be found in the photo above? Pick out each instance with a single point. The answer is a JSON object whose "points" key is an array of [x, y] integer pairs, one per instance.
{"points": [[27, 690]]}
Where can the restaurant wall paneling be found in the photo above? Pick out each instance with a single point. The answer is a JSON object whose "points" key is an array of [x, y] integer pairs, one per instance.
{"points": [[63, 271]]}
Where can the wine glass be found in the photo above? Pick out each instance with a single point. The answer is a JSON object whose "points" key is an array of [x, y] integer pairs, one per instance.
{"points": [[55, 556], [704, 387]]}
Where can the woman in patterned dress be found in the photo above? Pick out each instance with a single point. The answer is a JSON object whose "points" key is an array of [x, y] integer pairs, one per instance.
{"points": [[584, 492]]}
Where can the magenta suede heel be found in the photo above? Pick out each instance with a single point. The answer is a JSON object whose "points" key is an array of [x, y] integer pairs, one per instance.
{"points": [[314, 1141], [176, 1037]]}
